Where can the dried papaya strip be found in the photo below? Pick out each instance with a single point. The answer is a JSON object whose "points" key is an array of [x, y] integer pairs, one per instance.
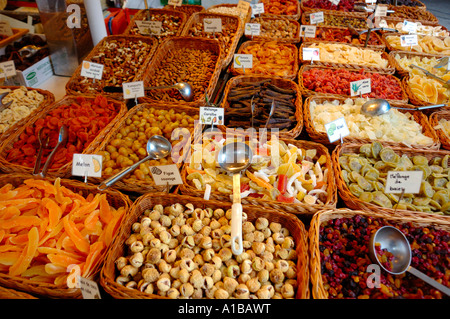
{"points": [[6, 188], [59, 196], [27, 255], [20, 240], [87, 208], [43, 184], [91, 220], [21, 221], [9, 258], [79, 241], [54, 212], [38, 270], [8, 195], [93, 258], [56, 231], [9, 212], [111, 229], [62, 260], [20, 203], [105, 210], [50, 250], [52, 269]]}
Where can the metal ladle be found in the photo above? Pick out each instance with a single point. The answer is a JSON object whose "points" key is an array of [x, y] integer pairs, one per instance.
{"points": [[233, 158], [184, 88], [380, 106], [157, 147], [395, 242], [445, 84], [62, 139]]}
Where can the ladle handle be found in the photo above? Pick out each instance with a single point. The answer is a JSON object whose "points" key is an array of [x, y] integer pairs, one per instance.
{"points": [[115, 178], [420, 107], [236, 229], [429, 280]]}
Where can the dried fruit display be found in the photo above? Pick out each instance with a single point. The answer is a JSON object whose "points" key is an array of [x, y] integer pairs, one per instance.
{"points": [[343, 5], [281, 7], [344, 36], [337, 81], [344, 261]]}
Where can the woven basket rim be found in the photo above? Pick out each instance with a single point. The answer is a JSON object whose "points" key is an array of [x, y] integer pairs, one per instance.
{"points": [[295, 131], [317, 290], [107, 275], [412, 97], [354, 203], [434, 120], [47, 289], [141, 15], [65, 170], [292, 46], [322, 137], [399, 69]]}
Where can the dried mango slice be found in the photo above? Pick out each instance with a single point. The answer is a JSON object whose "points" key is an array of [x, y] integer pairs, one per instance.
{"points": [[78, 240]]}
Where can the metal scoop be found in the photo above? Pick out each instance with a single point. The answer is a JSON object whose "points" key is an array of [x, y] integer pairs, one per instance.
{"points": [[4, 106], [445, 84], [442, 62], [184, 88], [30, 50], [395, 242], [233, 158], [380, 106], [62, 139], [43, 143], [157, 147]]}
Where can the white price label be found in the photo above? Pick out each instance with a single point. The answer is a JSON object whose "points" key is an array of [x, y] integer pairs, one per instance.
{"points": [[89, 289], [133, 90], [407, 182], [257, 8], [308, 31], [408, 40], [243, 61], [360, 87], [410, 27], [175, 3], [252, 29], [335, 2], [7, 69], [149, 27], [5, 29], [212, 115], [316, 17], [242, 7], [87, 165], [311, 54], [337, 129], [212, 25], [381, 11], [92, 70], [166, 174], [371, 1]]}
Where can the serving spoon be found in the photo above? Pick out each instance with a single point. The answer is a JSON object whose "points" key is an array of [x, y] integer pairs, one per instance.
{"points": [[395, 242], [377, 107]]}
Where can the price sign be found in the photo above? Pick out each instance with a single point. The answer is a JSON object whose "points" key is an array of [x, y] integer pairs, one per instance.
{"points": [[166, 174], [212, 25], [175, 3], [308, 31], [242, 7], [92, 70], [311, 54], [410, 27], [89, 289], [316, 17], [408, 40], [133, 90], [335, 2], [253, 29], [407, 182], [243, 61], [149, 27], [360, 87], [7, 69], [257, 8], [337, 129], [214, 115], [381, 11], [87, 165]]}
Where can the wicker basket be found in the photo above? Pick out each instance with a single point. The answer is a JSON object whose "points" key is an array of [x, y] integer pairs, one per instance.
{"points": [[322, 137], [435, 117], [410, 13], [282, 83], [389, 69], [390, 47], [394, 21], [351, 15], [380, 46], [177, 43], [307, 92], [399, 69], [294, 17], [294, 225], [231, 44], [353, 202], [230, 6], [49, 98], [6, 293], [412, 97], [301, 209], [66, 169], [141, 15], [97, 88], [291, 74], [131, 184], [115, 199], [265, 37], [189, 9], [318, 290]]}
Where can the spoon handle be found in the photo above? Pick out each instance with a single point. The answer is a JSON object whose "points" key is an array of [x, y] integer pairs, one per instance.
{"points": [[429, 280], [236, 229], [115, 178], [420, 107]]}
